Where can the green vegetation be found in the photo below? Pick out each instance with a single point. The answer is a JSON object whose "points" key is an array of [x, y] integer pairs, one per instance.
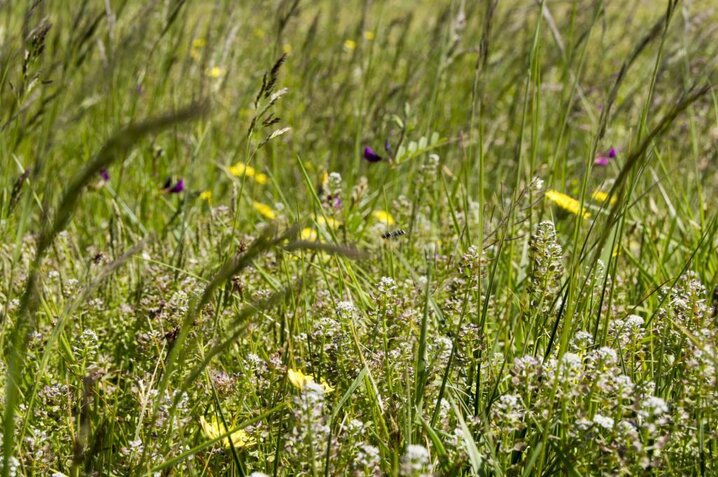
{"points": [[406, 237]]}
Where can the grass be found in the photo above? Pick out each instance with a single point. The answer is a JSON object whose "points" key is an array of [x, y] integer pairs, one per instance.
{"points": [[203, 275]]}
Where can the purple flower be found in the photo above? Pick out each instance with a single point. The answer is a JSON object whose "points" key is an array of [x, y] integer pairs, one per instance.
{"points": [[370, 155], [604, 159], [105, 174], [177, 188], [168, 188]]}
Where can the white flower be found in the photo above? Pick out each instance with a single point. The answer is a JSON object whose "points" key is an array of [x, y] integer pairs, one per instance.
{"points": [[603, 421], [607, 355], [634, 321], [415, 461], [583, 424], [571, 360], [653, 405], [345, 307], [583, 338], [386, 285]]}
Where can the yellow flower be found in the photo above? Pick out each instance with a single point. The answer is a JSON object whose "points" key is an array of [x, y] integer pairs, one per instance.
{"points": [[213, 429], [384, 217], [328, 389], [196, 51], [368, 35], [264, 210], [299, 380], [350, 45], [287, 49], [206, 195], [600, 196], [215, 72], [308, 234], [242, 169], [328, 222], [567, 203]]}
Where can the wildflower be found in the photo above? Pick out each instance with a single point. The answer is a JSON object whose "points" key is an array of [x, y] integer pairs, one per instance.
{"points": [[571, 360], [600, 196], [300, 380], [508, 410], [546, 257], [634, 321], [653, 406], [215, 72], [287, 49], [309, 433], [603, 421], [350, 45], [169, 188], [415, 461], [583, 339], [241, 169], [206, 195], [567, 203], [345, 307], [604, 158], [607, 355], [308, 234], [369, 35], [213, 429], [196, 51], [367, 460], [429, 170], [371, 155], [264, 210], [105, 174], [329, 222], [383, 217], [330, 190], [537, 184]]}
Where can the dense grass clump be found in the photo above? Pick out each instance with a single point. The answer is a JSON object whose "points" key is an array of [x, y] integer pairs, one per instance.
{"points": [[359, 238]]}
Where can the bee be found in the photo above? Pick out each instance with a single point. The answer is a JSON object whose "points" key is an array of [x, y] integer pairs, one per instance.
{"points": [[394, 234]]}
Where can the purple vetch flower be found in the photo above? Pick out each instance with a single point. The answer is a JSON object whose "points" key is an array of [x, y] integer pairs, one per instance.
{"points": [[601, 160], [105, 174], [370, 155], [604, 159], [178, 186]]}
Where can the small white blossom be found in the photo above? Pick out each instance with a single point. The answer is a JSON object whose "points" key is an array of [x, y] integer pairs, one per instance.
{"points": [[603, 421]]}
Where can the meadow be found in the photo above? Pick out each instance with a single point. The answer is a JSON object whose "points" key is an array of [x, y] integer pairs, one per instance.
{"points": [[365, 238]]}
